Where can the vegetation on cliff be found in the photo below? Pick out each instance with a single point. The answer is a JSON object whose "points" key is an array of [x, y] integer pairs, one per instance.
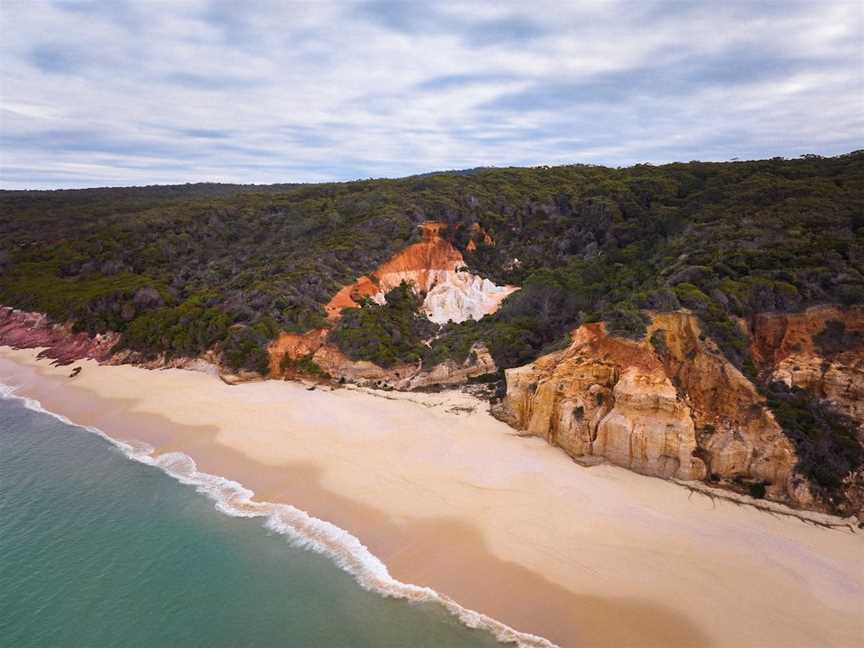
{"points": [[233, 265], [387, 334], [826, 442]]}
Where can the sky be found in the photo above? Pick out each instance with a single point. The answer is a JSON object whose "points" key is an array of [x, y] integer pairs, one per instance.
{"points": [[117, 93]]}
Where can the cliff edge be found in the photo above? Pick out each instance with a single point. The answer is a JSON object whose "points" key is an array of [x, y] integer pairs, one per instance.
{"points": [[672, 406], [436, 269]]}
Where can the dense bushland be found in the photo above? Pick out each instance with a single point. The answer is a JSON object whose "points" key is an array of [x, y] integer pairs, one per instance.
{"points": [[827, 442], [387, 334], [181, 269]]}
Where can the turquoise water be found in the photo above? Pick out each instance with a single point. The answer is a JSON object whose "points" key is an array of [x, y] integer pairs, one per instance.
{"points": [[97, 551]]}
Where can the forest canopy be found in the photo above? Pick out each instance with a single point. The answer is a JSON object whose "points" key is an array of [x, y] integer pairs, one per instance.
{"points": [[181, 269]]}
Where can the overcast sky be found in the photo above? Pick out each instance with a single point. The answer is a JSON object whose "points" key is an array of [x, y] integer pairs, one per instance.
{"points": [[115, 93]]}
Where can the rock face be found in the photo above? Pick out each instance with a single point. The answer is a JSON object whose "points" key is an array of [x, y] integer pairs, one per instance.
{"points": [[313, 346], [459, 295], [20, 329], [434, 267], [478, 363], [25, 330], [648, 428], [295, 346], [669, 405], [820, 350]]}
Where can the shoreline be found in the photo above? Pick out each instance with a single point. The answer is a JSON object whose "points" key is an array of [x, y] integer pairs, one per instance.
{"points": [[596, 556], [301, 529]]}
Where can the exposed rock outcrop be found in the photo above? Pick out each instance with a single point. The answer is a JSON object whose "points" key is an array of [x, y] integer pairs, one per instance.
{"points": [[669, 405], [820, 350], [313, 346], [25, 330], [436, 269], [64, 346], [209, 362], [295, 346], [343, 368], [450, 373], [475, 234]]}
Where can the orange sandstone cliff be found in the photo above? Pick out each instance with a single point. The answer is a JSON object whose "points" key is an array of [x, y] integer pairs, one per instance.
{"points": [[336, 365], [436, 270], [820, 350], [671, 405]]}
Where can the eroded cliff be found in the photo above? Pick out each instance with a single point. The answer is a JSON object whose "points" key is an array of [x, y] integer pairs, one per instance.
{"points": [[671, 405], [436, 269], [820, 350], [309, 355], [22, 329]]}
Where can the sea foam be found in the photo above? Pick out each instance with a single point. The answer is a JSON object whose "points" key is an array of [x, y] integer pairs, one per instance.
{"points": [[300, 528]]}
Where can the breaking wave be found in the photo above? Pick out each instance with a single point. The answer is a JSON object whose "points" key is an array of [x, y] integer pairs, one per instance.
{"points": [[301, 529]]}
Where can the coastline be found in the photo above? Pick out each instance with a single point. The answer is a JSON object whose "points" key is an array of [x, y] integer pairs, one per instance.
{"points": [[508, 526]]}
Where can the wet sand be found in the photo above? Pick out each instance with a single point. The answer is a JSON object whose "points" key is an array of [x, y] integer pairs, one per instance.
{"points": [[505, 525]]}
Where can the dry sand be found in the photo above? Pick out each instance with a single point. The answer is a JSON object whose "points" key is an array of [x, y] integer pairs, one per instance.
{"points": [[505, 525]]}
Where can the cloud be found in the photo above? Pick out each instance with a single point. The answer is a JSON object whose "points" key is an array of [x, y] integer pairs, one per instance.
{"points": [[112, 92], [210, 82], [457, 81], [51, 59]]}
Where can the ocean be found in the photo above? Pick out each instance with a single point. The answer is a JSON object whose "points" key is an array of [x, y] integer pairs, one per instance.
{"points": [[98, 550]]}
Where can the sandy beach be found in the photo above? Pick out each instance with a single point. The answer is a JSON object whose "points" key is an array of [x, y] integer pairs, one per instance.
{"points": [[448, 497]]}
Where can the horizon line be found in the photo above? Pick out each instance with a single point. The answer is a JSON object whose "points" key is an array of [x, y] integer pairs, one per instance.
{"points": [[463, 170]]}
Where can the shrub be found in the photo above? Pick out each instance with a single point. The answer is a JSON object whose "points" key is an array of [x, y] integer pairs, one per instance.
{"points": [[244, 350], [387, 334], [625, 320], [305, 365], [825, 440]]}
